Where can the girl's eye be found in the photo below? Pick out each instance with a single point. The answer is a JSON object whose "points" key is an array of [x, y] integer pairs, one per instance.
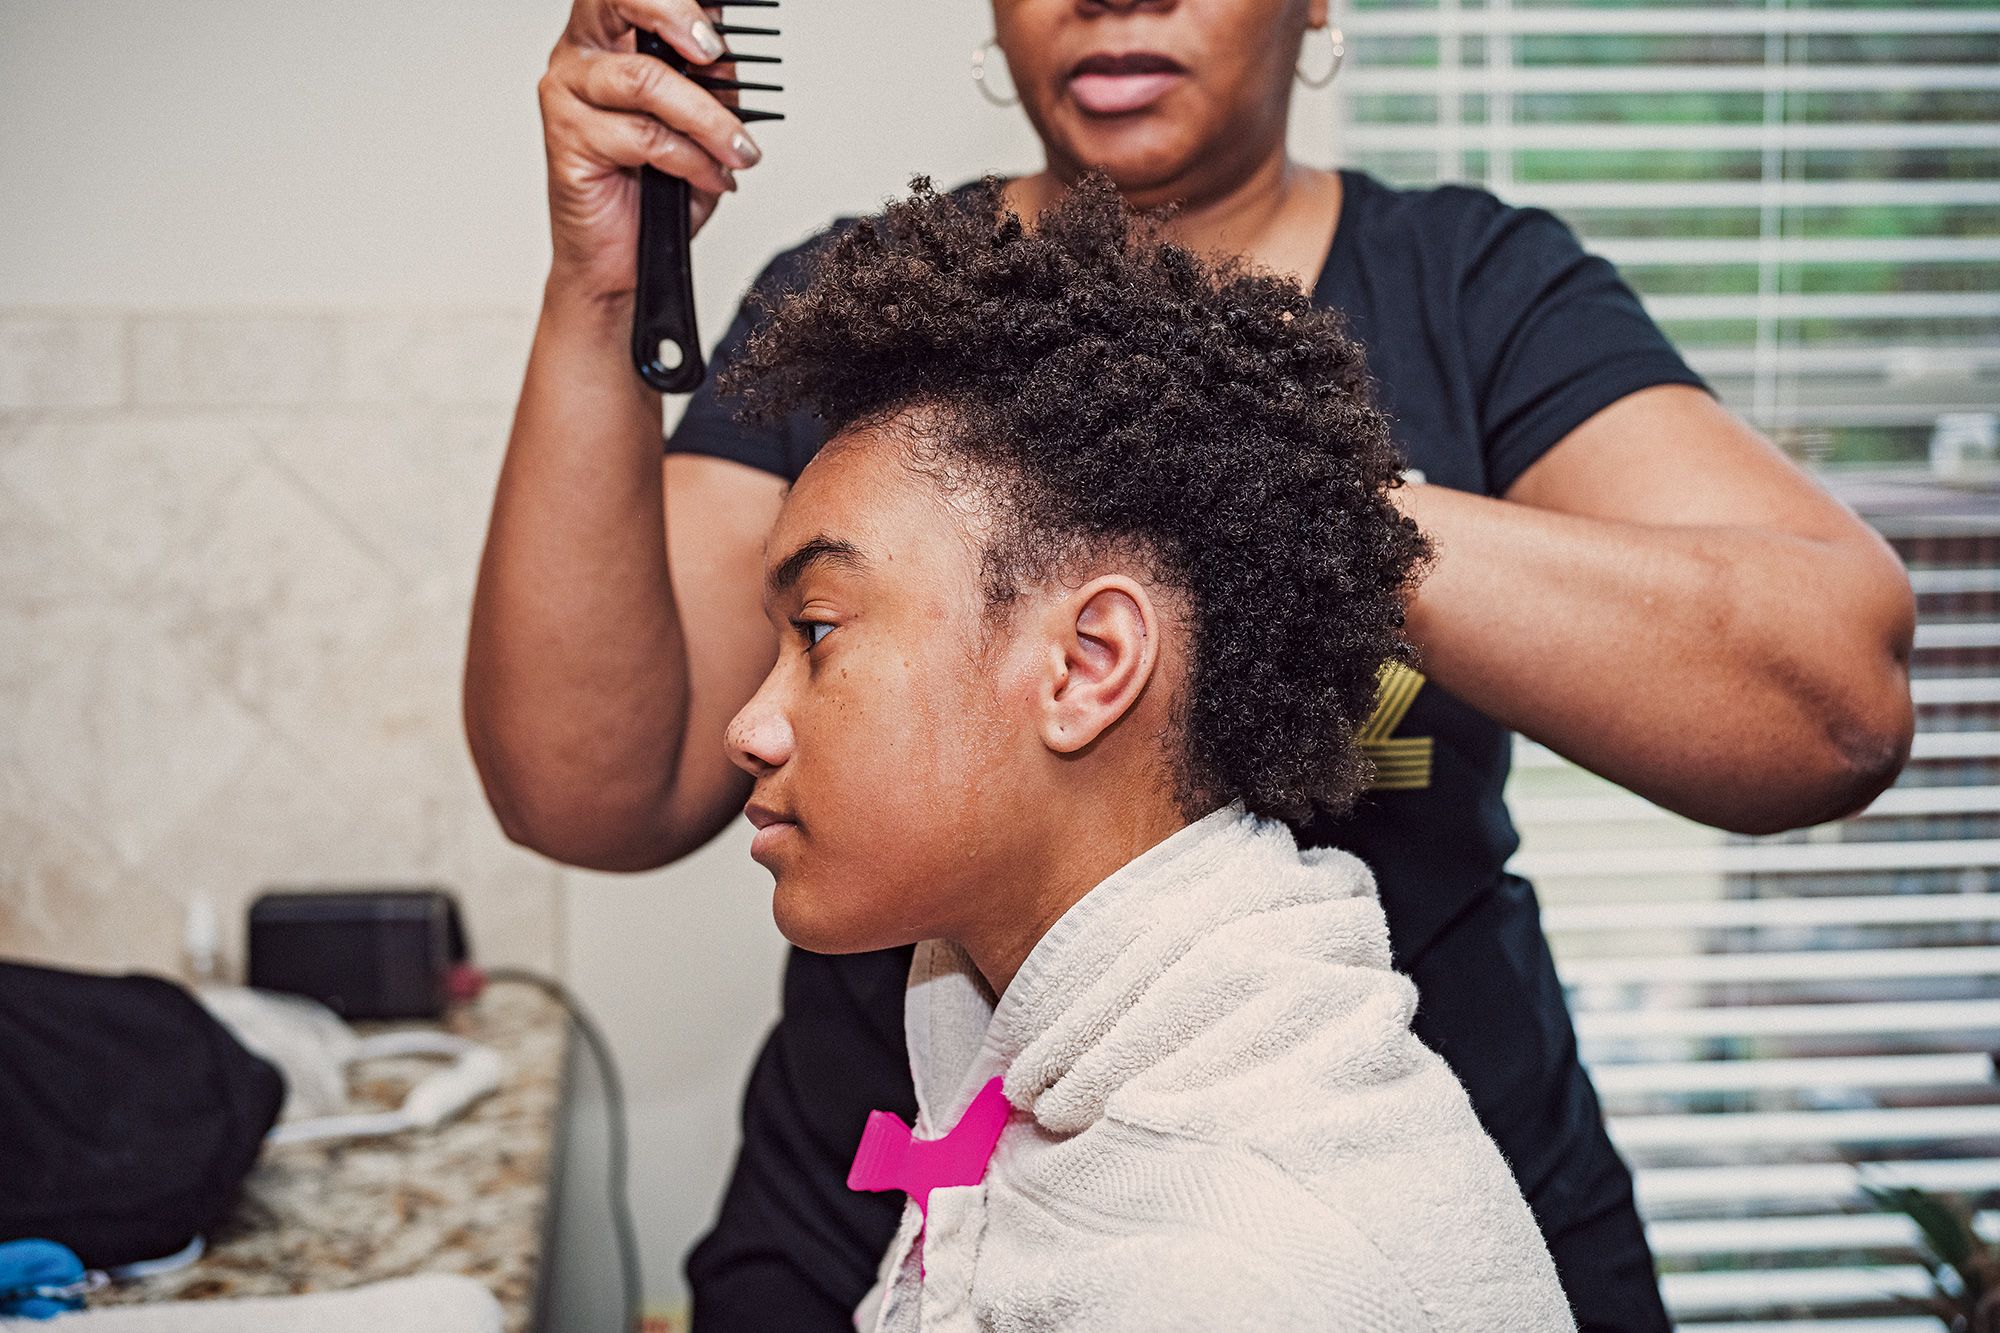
{"points": [[814, 630]]}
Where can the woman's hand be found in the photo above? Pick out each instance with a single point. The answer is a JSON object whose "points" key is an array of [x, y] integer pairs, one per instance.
{"points": [[607, 109]]}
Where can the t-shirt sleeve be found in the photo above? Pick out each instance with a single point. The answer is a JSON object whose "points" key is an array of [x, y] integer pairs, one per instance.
{"points": [[1552, 335], [709, 424]]}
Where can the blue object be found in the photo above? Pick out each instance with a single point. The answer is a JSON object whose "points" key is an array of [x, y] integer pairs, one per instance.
{"points": [[40, 1279]]}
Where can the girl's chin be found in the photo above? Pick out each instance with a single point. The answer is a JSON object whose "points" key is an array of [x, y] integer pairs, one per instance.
{"points": [[810, 920]]}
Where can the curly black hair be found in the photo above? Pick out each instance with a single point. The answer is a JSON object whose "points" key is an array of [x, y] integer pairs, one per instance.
{"points": [[1112, 390]]}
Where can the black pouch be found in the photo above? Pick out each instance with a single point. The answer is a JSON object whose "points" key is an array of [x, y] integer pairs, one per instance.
{"points": [[128, 1115]]}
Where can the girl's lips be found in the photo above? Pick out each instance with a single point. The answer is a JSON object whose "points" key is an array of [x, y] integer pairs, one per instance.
{"points": [[1118, 94], [769, 837]]}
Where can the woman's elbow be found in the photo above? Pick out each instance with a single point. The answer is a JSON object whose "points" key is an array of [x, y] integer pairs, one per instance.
{"points": [[582, 838], [577, 824], [1832, 772], [1865, 737], [1871, 754], [1877, 738]]}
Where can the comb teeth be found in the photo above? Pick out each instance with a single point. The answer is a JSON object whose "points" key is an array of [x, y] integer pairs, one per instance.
{"points": [[715, 83], [709, 81]]}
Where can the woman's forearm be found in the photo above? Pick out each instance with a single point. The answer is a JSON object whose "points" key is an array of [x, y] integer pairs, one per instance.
{"points": [[1750, 679], [576, 677]]}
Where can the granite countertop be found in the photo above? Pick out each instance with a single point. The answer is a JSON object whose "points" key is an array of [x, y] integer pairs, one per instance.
{"points": [[469, 1197]]}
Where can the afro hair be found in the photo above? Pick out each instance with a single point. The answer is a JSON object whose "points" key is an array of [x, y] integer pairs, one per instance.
{"points": [[1113, 391]]}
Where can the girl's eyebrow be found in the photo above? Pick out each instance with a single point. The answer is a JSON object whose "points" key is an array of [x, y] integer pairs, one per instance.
{"points": [[820, 549]]}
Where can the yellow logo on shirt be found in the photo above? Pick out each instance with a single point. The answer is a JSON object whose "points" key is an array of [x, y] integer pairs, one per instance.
{"points": [[1402, 763]]}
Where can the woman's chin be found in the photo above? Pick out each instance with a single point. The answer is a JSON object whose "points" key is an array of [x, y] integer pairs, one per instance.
{"points": [[1138, 157]]}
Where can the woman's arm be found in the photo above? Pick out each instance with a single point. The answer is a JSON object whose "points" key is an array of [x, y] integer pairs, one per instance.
{"points": [[1668, 601], [598, 735], [596, 731]]}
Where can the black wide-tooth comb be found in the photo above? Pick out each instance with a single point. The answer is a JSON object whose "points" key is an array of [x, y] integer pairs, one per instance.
{"points": [[666, 346]]}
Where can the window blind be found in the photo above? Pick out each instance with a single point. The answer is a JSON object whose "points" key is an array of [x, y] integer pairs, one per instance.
{"points": [[1807, 196]]}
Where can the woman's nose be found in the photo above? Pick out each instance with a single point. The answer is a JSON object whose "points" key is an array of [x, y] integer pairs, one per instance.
{"points": [[759, 737]]}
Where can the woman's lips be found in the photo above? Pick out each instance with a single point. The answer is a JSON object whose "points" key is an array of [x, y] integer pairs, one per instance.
{"points": [[1113, 85]]}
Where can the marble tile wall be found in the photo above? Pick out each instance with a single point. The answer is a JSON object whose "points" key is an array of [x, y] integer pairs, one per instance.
{"points": [[236, 555]]}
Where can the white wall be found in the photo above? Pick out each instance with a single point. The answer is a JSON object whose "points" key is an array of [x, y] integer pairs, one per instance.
{"points": [[369, 152], [256, 152], [277, 262]]}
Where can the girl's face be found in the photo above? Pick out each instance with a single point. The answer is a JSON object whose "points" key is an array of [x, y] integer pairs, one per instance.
{"points": [[1164, 96], [897, 773]]}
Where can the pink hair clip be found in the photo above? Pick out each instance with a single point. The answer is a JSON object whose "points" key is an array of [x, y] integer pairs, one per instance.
{"points": [[891, 1158]]}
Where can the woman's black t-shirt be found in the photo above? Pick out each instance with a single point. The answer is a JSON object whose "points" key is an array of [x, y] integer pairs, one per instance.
{"points": [[1491, 334]]}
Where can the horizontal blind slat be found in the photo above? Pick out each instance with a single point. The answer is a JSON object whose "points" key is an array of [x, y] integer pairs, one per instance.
{"points": [[1662, 19], [1829, 305], [1758, 858], [1809, 1182], [1776, 1288], [1947, 1021], [1672, 78], [1795, 965], [1640, 138], [1650, 196], [1915, 1124], [1776, 913], [1704, 251], [1668, 1077]]}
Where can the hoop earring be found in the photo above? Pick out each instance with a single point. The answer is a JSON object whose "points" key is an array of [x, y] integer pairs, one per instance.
{"points": [[1337, 44], [979, 58]]}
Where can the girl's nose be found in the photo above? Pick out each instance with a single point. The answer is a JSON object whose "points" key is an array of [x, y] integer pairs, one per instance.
{"points": [[759, 737]]}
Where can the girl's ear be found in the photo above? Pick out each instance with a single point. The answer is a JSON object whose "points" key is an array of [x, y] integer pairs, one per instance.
{"points": [[1107, 645]]}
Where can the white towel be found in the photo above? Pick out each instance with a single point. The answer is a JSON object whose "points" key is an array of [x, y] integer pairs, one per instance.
{"points": [[1220, 1120], [429, 1303]]}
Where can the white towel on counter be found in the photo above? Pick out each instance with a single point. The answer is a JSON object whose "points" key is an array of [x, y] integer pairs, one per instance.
{"points": [[428, 1303], [1220, 1119]]}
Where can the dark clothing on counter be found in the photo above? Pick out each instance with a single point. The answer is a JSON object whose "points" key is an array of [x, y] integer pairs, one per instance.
{"points": [[1491, 334]]}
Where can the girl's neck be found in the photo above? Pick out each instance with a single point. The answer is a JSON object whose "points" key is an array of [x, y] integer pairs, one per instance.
{"points": [[1078, 850]]}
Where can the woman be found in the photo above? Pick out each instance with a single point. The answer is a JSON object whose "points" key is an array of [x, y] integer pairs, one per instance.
{"points": [[1626, 573]]}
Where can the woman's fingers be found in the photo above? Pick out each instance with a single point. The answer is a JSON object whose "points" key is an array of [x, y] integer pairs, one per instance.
{"points": [[680, 23], [701, 206], [627, 140], [630, 82], [607, 109]]}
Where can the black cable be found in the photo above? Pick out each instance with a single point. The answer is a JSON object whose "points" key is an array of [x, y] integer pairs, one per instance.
{"points": [[614, 1097]]}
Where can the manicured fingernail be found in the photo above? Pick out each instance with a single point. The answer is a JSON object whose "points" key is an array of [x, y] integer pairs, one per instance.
{"points": [[705, 38], [748, 151], [729, 177]]}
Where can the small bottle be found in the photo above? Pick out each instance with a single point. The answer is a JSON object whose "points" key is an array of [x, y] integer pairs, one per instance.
{"points": [[199, 940]]}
